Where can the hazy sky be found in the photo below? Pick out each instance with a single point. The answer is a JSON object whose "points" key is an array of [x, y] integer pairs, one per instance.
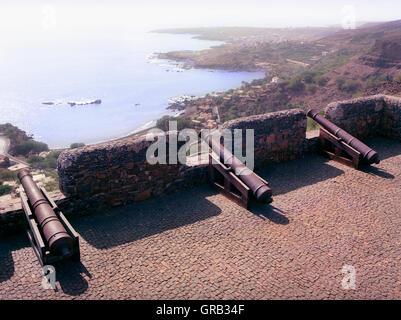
{"points": [[33, 17]]}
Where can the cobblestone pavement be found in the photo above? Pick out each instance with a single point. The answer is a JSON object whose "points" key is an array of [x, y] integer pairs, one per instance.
{"points": [[197, 244]]}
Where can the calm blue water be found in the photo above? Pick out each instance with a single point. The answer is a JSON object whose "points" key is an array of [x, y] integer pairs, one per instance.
{"points": [[115, 70]]}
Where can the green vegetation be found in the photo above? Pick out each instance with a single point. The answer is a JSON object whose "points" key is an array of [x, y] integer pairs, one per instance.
{"points": [[15, 134], [308, 76], [5, 189], [358, 94], [48, 162], [293, 106], [348, 85], [334, 60], [295, 84], [77, 145], [231, 114], [312, 124], [340, 82], [321, 80], [21, 144], [52, 185], [311, 88], [30, 146], [311, 78], [8, 175], [182, 123], [374, 82]]}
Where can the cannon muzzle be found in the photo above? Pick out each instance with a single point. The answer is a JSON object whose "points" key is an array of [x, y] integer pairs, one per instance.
{"points": [[259, 188], [58, 240], [368, 155]]}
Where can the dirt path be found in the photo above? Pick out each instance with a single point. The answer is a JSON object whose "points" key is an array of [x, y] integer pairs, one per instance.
{"points": [[298, 62]]}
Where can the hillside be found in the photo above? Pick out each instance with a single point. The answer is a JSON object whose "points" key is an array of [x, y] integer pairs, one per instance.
{"points": [[386, 52], [341, 64], [249, 34]]}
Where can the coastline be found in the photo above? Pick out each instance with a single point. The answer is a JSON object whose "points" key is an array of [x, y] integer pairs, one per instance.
{"points": [[186, 64], [191, 59], [141, 130], [221, 82]]}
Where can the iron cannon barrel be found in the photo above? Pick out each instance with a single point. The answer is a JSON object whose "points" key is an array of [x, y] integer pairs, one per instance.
{"points": [[368, 154], [259, 188], [59, 241]]}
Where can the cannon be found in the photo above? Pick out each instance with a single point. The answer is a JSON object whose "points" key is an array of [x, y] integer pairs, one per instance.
{"points": [[51, 235], [232, 168], [343, 142]]}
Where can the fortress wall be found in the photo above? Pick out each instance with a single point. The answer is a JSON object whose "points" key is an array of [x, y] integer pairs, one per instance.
{"points": [[377, 115], [117, 173], [279, 136], [391, 120], [360, 117]]}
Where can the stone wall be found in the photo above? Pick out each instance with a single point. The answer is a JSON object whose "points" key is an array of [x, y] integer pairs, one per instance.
{"points": [[279, 136], [366, 117], [117, 173], [391, 118]]}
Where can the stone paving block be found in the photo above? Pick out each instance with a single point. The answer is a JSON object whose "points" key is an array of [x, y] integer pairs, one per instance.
{"points": [[196, 244]]}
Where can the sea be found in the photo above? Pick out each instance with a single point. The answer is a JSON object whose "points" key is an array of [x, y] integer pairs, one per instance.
{"points": [[41, 81]]}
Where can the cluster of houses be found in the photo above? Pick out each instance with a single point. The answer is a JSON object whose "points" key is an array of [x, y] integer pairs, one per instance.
{"points": [[205, 112], [205, 115]]}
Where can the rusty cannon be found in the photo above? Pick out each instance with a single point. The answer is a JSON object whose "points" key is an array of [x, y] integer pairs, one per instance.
{"points": [[51, 236], [238, 180], [340, 145]]}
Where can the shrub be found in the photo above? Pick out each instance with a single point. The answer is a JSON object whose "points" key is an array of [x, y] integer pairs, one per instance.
{"points": [[351, 85], [15, 134], [51, 159], [311, 88], [77, 145], [29, 146], [48, 162], [374, 82], [358, 94], [322, 80], [35, 159], [51, 186], [340, 83], [309, 76], [232, 113], [347, 85], [295, 84], [182, 123], [8, 175], [5, 189]]}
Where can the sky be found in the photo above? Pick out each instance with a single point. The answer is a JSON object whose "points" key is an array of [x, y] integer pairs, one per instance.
{"points": [[35, 19]]}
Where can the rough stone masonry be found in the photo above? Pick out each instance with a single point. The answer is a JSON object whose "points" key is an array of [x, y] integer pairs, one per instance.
{"points": [[117, 173]]}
